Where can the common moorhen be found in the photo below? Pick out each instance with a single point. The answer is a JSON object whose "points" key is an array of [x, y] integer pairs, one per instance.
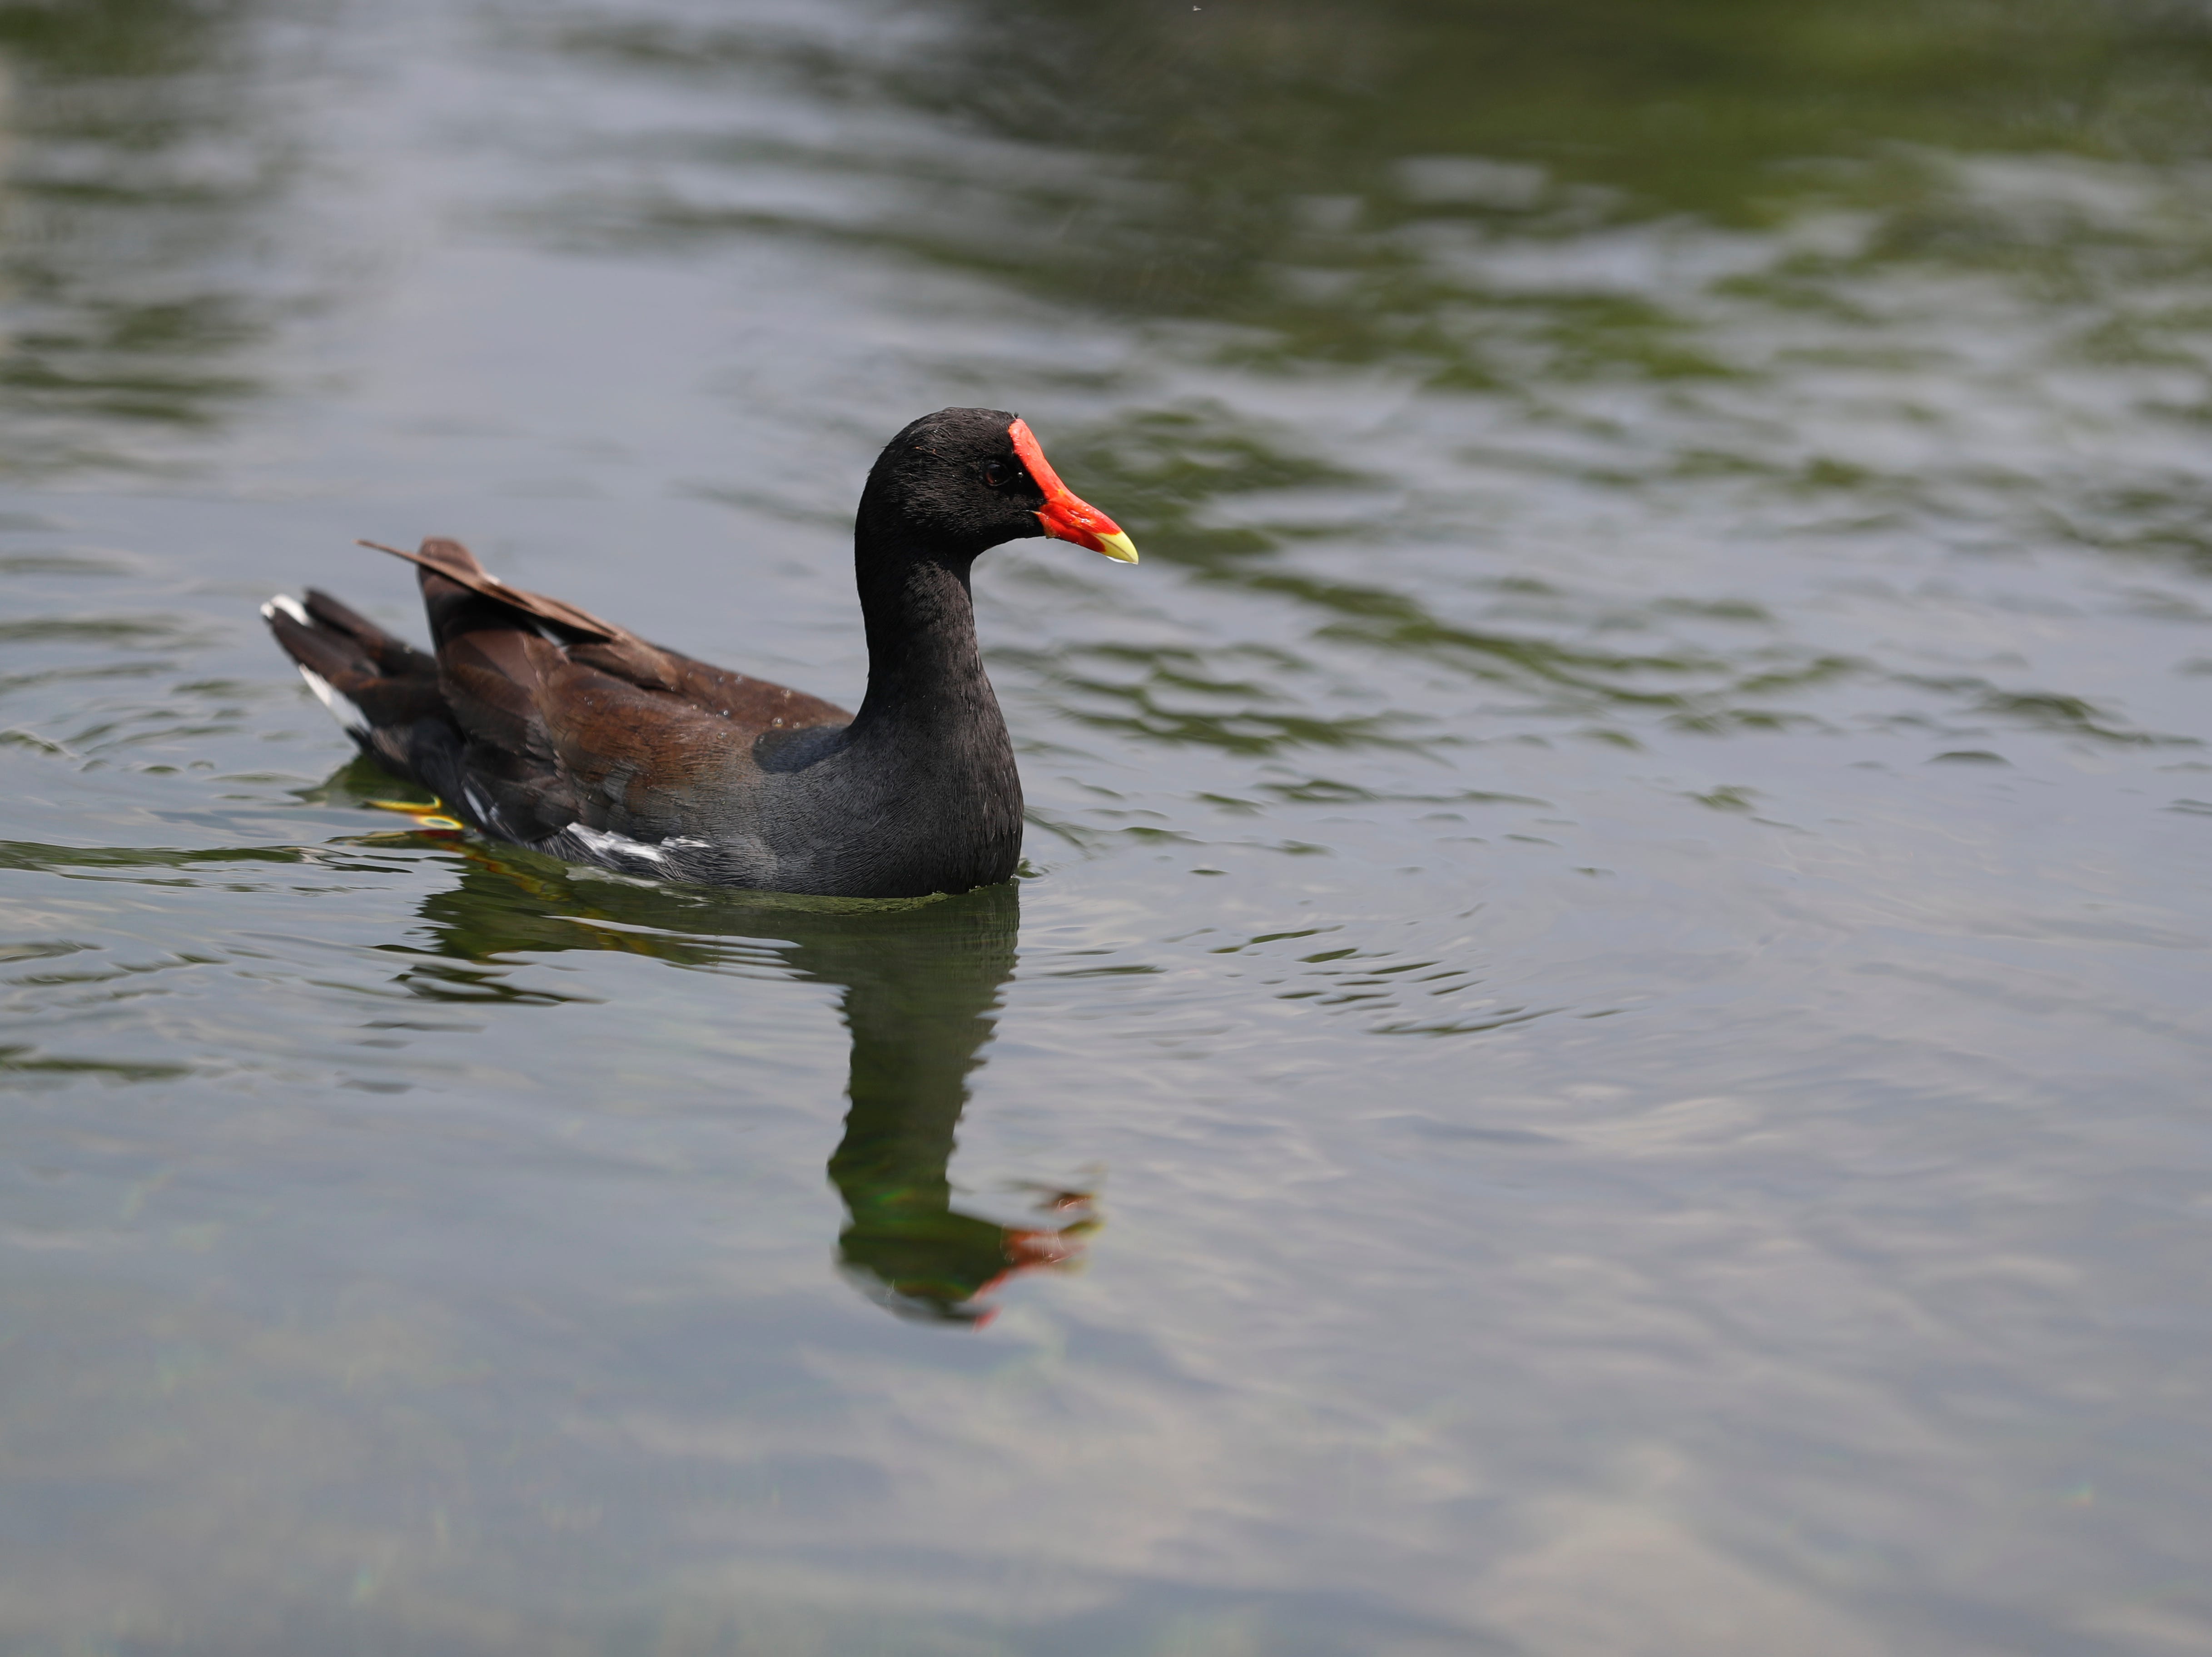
{"points": [[538, 723]]}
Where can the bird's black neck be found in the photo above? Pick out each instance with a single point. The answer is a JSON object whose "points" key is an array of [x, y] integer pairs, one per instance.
{"points": [[938, 770], [925, 669]]}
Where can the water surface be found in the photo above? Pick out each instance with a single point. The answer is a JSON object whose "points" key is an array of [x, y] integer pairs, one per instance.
{"points": [[1602, 1047]]}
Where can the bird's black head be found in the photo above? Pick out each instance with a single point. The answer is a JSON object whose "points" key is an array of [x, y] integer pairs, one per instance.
{"points": [[960, 481]]}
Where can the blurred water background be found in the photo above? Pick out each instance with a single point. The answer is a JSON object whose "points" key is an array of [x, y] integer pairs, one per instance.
{"points": [[1603, 1048]]}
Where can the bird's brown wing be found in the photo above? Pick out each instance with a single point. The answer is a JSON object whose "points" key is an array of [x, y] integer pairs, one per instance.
{"points": [[459, 565], [552, 741], [752, 703], [569, 718]]}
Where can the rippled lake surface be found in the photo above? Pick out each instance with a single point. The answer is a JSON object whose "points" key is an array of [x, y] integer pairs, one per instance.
{"points": [[1603, 1044]]}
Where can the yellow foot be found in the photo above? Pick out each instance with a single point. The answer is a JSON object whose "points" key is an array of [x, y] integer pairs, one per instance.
{"points": [[431, 816]]}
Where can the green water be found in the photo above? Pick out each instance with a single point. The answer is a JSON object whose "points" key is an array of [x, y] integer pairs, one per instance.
{"points": [[1603, 1048]]}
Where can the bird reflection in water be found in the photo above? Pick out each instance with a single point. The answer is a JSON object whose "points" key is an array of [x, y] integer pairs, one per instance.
{"points": [[920, 984], [920, 994]]}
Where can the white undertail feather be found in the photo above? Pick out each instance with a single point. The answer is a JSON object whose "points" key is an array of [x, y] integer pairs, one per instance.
{"points": [[342, 707]]}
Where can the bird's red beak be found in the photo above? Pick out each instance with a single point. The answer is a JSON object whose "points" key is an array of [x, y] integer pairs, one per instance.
{"points": [[1065, 517]]}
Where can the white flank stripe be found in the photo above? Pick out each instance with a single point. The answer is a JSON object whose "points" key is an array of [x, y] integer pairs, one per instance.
{"points": [[289, 605], [608, 843]]}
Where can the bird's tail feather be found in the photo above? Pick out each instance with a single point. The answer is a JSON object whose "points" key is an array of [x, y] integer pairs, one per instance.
{"points": [[375, 685]]}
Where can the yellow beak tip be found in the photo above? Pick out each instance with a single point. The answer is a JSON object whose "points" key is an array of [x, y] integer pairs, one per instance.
{"points": [[1118, 547]]}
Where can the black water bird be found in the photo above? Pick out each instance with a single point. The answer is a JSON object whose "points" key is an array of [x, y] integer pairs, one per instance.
{"points": [[538, 723]]}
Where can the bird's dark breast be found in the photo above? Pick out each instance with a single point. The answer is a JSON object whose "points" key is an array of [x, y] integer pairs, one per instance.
{"points": [[853, 823]]}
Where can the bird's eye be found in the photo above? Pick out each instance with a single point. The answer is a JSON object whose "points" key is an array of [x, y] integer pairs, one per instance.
{"points": [[998, 473]]}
